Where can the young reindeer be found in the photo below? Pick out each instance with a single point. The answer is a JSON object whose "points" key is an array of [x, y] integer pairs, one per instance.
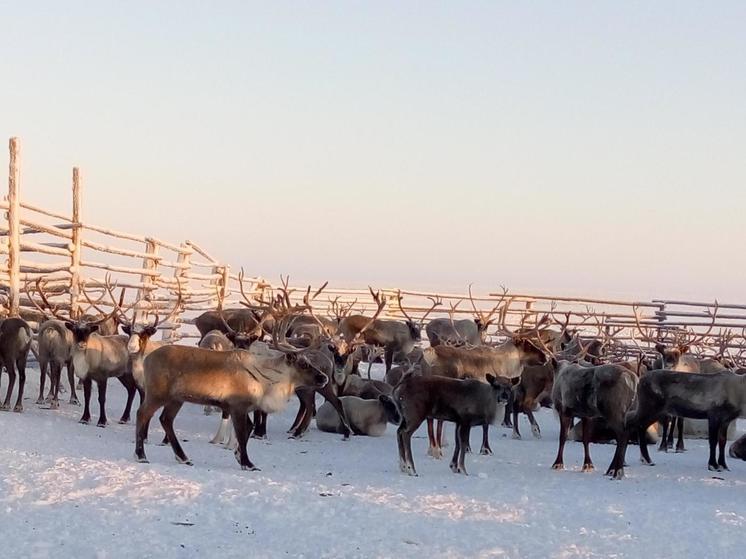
{"points": [[237, 382], [97, 358], [506, 361], [396, 337], [467, 403]]}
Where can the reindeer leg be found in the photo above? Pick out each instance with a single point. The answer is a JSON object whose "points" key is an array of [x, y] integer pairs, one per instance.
{"points": [[243, 427], [260, 425], [665, 424], [21, 365], [433, 449], [87, 387], [713, 432], [516, 432], [485, 450], [535, 430], [101, 384], [225, 424], [167, 422], [456, 449], [129, 384], [56, 369], [564, 426], [464, 430], [722, 439], [10, 367], [328, 393], [144, 414], [616, 468], [680, 440], [442, 442], [587, 462], [43, 367], [406, 434], [510, 410], [71, 379], [388, 355], [302, 394]]}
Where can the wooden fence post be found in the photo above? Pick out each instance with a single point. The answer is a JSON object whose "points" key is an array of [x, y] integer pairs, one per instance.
{"points": [[75, 256], [14, 227], [150, 262], [185, 259]]}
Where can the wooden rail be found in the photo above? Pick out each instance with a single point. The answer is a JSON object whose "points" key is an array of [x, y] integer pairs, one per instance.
{"points": [[71, 255]]}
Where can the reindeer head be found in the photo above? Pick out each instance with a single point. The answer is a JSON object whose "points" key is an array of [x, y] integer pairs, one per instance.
{"points": [[502, 387], [390, 409]]}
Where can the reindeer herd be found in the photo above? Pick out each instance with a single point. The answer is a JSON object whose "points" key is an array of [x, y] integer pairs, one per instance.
{"points": [[251, 360]]}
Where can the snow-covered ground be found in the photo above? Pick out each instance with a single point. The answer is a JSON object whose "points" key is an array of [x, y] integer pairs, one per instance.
{"points": [[75, 490]]}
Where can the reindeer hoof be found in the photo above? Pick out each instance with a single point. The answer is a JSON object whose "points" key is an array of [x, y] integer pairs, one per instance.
{"points": [[263, 437], [646, 462], [4, 407], [435, 452], [587, 468], [536, 432], [558, 466], [54, 405], [124, 421], [85, 420], [680, 449], [101, 424], [662, 449], [615, 474], [74, 402], [18, 408], [485, 451], [40, 401], [250, 468], [141, 459], [516, 436]]}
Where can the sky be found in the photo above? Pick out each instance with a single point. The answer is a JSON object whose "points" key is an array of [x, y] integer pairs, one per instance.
{"points": [[557, 147]]}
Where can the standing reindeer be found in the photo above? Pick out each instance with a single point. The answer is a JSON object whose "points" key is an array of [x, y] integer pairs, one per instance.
{"points": [[15, 341], [396, 337], [470, 332], [97, 358]]}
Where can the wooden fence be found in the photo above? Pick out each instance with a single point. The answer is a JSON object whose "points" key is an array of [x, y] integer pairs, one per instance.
{"points": [[71, 254]]}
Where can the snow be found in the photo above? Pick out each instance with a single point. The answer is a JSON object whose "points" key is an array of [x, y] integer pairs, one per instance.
{"points": [[75, 490]]}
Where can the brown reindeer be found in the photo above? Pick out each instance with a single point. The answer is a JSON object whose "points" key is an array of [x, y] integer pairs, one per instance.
{"points": [[15, 341], [237, 381]]}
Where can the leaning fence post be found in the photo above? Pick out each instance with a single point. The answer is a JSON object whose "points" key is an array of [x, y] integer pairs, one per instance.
{"points": [[14, 227], [149, 263], [180, 273], [77, 232]]}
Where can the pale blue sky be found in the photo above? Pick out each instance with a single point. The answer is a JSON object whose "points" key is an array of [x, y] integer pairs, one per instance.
{"points": [[567, 147]]}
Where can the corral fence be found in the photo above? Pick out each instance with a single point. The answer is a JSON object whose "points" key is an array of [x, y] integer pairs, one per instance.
{"points": [[71, 255]]}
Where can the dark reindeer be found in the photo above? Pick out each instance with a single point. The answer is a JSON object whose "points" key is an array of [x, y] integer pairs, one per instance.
{"points": [[15, 341], [467, 403], [719, 398]]}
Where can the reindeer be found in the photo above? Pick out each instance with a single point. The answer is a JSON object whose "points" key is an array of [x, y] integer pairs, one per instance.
{"points": [[15, 341], [738, 448], [470, 332], [397, 338], [97, 358], [506, 361], [366, 416], [466, 402], [720, 398], [676, 357], [605, 391], [236, 381]]}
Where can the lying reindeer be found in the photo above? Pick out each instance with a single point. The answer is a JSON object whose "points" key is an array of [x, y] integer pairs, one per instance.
{"points": [[366, 416], [720, 398], [467, 403]]}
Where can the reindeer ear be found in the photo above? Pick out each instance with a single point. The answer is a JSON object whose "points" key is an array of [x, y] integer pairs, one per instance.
{"points": [[492, 379], [127, 329], [290, 356], [683, 348], [150, 331], [93, 328], [69, 325]]}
